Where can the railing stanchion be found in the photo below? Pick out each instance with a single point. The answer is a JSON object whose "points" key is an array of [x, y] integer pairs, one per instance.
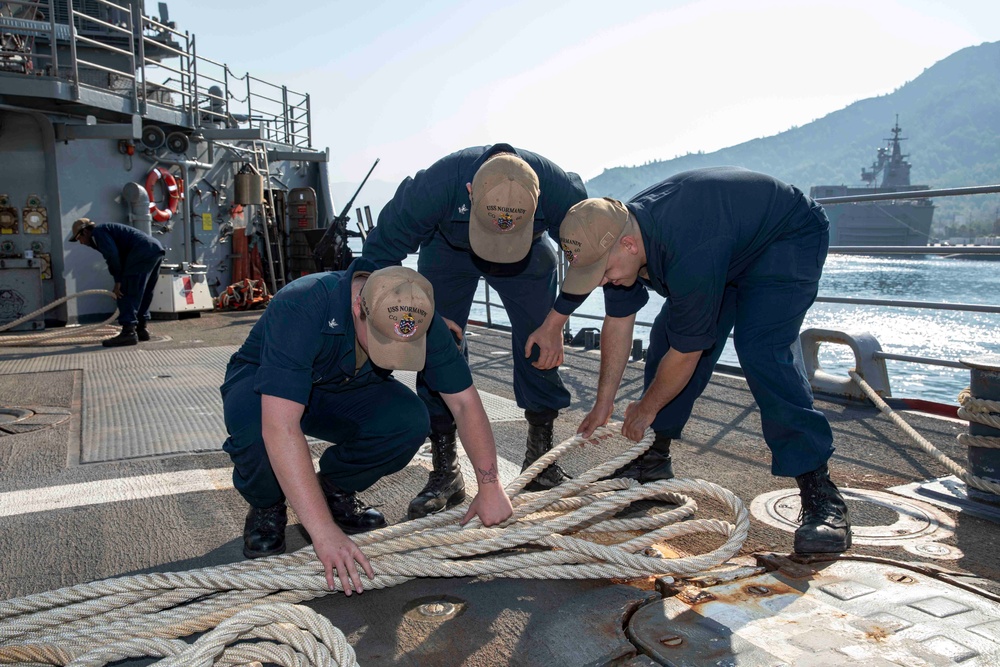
{"points": [[984, 455], [53, 39]]}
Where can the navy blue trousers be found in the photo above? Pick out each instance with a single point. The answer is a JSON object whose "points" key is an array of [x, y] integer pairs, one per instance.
{"points": [[377, 428], [764, 307], [137, 292], [527, 290]]}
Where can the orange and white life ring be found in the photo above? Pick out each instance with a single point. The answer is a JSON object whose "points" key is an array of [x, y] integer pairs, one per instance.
{"points": [[173, 194]]}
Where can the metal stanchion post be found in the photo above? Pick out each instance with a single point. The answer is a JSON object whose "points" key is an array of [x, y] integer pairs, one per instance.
{"points": [[984, 461]]}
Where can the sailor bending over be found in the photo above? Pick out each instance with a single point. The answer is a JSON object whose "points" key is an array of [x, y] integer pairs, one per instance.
{"points": [[133, 258], [731, 250], [319, 362], [481, 213]]}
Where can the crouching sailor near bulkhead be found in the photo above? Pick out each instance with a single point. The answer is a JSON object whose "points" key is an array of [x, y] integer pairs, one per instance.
{"points": [[730, 250], [133, 258], [481, 213], [319, 362]]}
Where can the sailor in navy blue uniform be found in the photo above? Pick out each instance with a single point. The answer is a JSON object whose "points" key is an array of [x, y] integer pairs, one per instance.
{"points": [[481, 213], [133, 258], [319, 362], [730, 250]]}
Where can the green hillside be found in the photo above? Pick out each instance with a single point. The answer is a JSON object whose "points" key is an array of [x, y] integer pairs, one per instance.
{"points": [[950, 115]]}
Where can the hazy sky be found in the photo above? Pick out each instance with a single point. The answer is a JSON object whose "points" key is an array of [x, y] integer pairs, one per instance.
{"points": [[589, 84]]}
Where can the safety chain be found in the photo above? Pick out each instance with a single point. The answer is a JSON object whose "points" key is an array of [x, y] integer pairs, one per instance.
{"points": [[953, 467], [143, 616], [41, 338]]}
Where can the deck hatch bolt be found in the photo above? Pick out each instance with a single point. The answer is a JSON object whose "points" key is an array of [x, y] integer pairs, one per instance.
{"points": [[439, 608], [672, 640]]}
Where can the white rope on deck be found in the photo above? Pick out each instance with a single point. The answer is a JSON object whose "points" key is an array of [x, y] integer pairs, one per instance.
{"points": [[143, 616], [972, 409], [93, 331]]}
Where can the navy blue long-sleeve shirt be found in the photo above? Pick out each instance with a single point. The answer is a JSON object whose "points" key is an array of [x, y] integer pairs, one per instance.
{"points": [[436, 199], [701, 229], [126, 250]]}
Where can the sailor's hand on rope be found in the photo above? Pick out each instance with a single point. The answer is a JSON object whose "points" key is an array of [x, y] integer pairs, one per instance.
{"points": [[599, 416], [117, 291], [338, 552], [636, 421], [491, 505]]}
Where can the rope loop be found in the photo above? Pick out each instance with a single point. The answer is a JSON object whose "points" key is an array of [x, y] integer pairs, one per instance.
{"points": [[40, 338], [249, 611], [954, 468]]}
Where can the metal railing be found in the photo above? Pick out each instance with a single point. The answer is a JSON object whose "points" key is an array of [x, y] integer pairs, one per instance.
{"points": [[113, 48], [490, 303]]}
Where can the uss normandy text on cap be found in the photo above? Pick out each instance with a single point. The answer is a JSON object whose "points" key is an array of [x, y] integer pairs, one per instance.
{"points": [[587, 235], [398, 304], [504, 199]]}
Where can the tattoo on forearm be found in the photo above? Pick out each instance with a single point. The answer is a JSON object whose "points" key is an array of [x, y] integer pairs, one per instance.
{"points": [[488, 476]]}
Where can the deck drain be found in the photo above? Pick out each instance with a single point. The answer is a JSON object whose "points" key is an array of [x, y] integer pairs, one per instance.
{"points": [[884, 520], [434, 609], [15, 420]]}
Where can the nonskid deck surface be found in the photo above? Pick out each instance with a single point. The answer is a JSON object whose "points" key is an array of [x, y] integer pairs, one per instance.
{"points": [[133, 480]]}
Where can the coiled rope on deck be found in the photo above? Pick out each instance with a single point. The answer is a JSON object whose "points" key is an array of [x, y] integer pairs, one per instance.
{"points": [[573, 524], [972, 409], [41, 338]]}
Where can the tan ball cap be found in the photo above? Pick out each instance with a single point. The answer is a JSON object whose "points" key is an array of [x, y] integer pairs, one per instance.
{"points": [[587, 235], [79, 226], [504, 199], [398, 304]]}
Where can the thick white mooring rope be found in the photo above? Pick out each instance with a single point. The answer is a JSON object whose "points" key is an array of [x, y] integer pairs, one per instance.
{"points": [[140, 616], [91, 330], [973, 410], [982, 411]]}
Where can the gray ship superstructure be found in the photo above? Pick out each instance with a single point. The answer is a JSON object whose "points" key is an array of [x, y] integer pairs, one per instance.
{"points": [[903, 222], [110, 114]]}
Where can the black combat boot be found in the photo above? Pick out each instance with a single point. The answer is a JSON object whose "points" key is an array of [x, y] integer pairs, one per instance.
{"points": [[539, 443], [826, 526], [348, 512], [126, 337], [445, 485], [264, 531], [653, 466], [141, 332]]}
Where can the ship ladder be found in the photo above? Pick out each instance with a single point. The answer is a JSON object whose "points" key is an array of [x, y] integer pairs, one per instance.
{"points": [[273, 235]]}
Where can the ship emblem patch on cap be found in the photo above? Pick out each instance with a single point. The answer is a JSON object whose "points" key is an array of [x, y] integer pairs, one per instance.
{"points": [[406, 326], [504, 222], [570, 255]]}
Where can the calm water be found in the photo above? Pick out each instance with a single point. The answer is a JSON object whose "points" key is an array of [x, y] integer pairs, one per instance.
{"points": [[948, 335]]}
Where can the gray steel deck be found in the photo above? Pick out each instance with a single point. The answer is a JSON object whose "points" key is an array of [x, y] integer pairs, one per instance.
{"points": [[124, 508]]}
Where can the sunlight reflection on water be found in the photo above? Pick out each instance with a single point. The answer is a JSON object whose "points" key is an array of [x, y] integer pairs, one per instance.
{"points": [[947, 335]]}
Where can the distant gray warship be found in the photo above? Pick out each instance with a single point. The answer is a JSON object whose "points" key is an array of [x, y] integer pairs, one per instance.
{"points": [[904, 222]]}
